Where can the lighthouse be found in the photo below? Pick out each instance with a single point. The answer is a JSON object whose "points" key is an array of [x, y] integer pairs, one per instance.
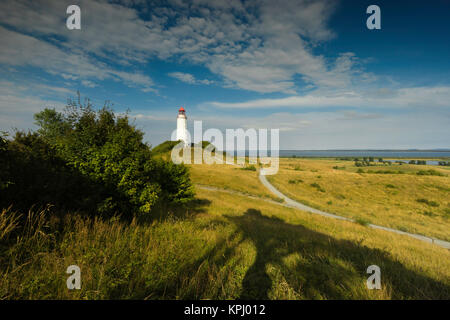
{"points": [[182, 126]]}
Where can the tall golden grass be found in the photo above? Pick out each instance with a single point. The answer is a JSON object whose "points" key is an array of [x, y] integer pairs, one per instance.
{"points": [[228, 246], [401, 200]]}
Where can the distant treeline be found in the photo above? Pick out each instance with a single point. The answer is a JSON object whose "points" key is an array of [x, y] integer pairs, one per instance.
{"points": [[367, 161]]}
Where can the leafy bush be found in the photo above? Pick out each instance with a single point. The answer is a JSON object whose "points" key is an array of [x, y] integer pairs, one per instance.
{"points": [[36, 175], [428, 202], [92, 159], [317, 186], [430, 172], [4, 182], [362, 221], [164, 147], [250, 168], [447, 213]]}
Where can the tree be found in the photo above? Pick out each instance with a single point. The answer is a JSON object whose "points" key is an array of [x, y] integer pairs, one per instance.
{"points": [[110, 151]]}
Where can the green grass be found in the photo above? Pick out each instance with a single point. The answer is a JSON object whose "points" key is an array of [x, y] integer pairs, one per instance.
{"points": [[387, 199], [229, 177], [221, 246], [317, 186], [428, 202], [226, 247], [362, 221], [430, 172]]}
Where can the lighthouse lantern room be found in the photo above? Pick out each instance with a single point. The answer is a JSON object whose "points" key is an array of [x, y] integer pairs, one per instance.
{"points": [[182, 125]]}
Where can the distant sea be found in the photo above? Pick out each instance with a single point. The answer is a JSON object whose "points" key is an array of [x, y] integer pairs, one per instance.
{"points": [[389, 154], [385, 154]]}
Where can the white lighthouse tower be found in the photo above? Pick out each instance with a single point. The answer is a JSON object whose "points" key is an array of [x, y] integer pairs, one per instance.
{"points": [[182, 126]]}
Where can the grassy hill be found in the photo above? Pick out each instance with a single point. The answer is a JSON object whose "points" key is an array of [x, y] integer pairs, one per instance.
{"points": [[165, 147], [223, 245], [407, 197]]}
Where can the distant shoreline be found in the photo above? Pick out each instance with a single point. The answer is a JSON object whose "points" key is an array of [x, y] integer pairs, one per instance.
{"points": [[385, 154], [370, 150]]}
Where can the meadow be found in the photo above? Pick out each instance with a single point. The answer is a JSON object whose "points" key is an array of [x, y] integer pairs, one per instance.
{"points": [[219, 246], [413, 198]]}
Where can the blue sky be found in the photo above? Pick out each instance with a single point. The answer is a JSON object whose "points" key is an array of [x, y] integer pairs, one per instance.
{"points": [[310, 68]]}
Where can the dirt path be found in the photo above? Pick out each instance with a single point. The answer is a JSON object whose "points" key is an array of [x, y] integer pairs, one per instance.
{"points": [[294, 204]]}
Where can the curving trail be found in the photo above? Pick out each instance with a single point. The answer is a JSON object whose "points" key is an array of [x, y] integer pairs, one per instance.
{"points": [[294, 204]]}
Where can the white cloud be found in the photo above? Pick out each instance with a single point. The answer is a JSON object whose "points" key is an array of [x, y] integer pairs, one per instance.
{"points": [[19, 103], [22, 50], [321, 130], [254, 45], [189, 78], [424, 97], [89, 84]]}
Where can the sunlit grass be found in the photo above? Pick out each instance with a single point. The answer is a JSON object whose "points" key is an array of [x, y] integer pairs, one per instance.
{"points": [[381, 198], [229, 246], [229, 177]]}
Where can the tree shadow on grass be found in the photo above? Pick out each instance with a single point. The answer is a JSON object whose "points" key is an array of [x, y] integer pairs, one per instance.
{"points": [[186, 210], [324, 267]]}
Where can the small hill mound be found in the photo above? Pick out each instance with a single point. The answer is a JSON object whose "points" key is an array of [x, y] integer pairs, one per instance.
{"points": [[167, 146], [164, 147]]}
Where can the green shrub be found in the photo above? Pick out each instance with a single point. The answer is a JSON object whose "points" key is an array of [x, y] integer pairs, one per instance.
{"points": [[95, 160], [428, 202], [446, 212], [430, 172], [250, 168], [362, 221], [4, 172], [317, 186], [164, 147], [428, 213], [36, 175]]}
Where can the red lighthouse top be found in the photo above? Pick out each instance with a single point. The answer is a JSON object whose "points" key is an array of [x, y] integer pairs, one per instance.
{"points": [[181, 109]]}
